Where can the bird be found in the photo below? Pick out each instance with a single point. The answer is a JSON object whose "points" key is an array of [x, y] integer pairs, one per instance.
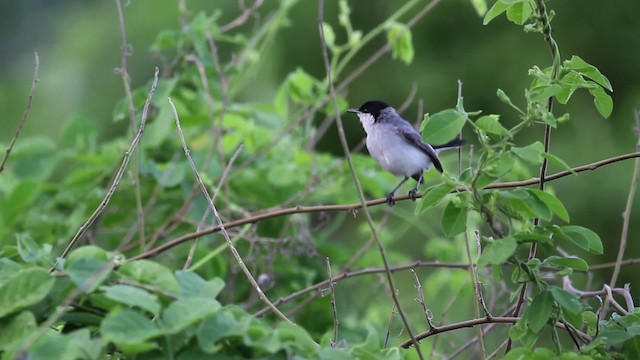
{"points": [[397, 146]]}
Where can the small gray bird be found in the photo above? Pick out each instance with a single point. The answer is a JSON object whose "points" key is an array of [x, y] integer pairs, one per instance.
{"points": [[397, 146]]}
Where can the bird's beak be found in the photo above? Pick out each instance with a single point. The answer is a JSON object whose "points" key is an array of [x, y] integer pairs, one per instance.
{"points": [[355, 111]]}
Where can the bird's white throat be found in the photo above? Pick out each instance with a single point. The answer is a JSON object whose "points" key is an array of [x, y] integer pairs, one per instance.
{"points": [[367, 121]]}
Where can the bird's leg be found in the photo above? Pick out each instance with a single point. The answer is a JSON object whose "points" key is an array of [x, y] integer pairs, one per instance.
{"points": [[390, 200], [414, 192]]}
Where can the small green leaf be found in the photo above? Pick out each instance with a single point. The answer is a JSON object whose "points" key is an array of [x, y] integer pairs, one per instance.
{"points": [[538, 313], [603, 101], [588, 70], [570, 262], [433, 196], [519, 12], [27, 248], [556, 160], [542, 93], [552, 202], [152, 273], [184, 312], [498, 8], [454, 219], [498, 251], [128, 327], [132, 296], [88, 273], [480, 6], [443, 126], [491, 124], [228, 322], [16, 328], [399, 38], [583, 238], [530, 153], [26, 288], [329, 35], [192, 285], [569, 302]]}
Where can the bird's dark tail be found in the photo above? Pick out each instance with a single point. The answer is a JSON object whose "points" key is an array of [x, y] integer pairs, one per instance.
{"points": [[451, 144]]}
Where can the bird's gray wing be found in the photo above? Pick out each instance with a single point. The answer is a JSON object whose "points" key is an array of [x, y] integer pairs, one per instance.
{"points": [[413, 138]]}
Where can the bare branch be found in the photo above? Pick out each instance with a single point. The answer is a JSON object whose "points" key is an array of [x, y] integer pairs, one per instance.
{"points": [[27, 110], [332, 290], [119, 173], [205, 192], [240, 20]]}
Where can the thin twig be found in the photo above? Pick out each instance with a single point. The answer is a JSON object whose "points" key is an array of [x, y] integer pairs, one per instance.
{"points": [[355, 206], [119, 173], [476, 322], [240, 20], [366, 271], [427, 313], [205, 192], [476, 288], [626, 215], [389, 323], [27, 110], [125, 51], [345, 148], [223, 179], [332, 290]]}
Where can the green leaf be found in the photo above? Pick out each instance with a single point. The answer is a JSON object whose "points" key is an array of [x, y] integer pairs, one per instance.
{"points": [[433, 196], [399, 38], [443, 126], [88, 273], [603, 101], [28, 249], [552, 203], [128, 327], [491, 124], [498, 251], [583, 238], [576, 63], [480, 6], [570, 262], [530, 153], [16, 327], [87, 252], [133, 296], [568, 301], [22, 196], [24, 289], [519, 12], [184, 312], [152, 273], [192, 285], [539, 311], [498, 8], [228, 322], [556, 160], [454, 219], [538, 207], [631, 348], [329, 35], [544, 92]]}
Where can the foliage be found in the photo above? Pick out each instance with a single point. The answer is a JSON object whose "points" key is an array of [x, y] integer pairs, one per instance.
{"points": [[115, 298]]}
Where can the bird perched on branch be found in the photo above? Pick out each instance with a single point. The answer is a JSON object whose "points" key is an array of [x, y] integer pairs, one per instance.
{"points": [[397, 146]]}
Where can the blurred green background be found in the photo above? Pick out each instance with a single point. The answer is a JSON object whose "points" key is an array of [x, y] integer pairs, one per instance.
{"points": [[79, 47]]}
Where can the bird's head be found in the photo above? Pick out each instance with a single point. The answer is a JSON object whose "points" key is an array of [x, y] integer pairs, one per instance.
{"points": [[370, 111]]}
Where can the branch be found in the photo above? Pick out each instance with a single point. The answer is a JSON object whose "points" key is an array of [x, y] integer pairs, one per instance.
{"points": [[119, 173], [240, 20], [27, 110], [626, 216], [355, 206], [476, 322], [367, 271], [205, 192]]}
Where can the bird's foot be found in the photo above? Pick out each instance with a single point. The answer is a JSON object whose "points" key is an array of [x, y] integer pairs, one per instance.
{"points": [[413, 194], [390, 200]]}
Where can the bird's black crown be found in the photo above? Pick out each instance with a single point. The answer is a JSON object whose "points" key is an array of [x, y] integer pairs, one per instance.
{"points": [[373, 107]]}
